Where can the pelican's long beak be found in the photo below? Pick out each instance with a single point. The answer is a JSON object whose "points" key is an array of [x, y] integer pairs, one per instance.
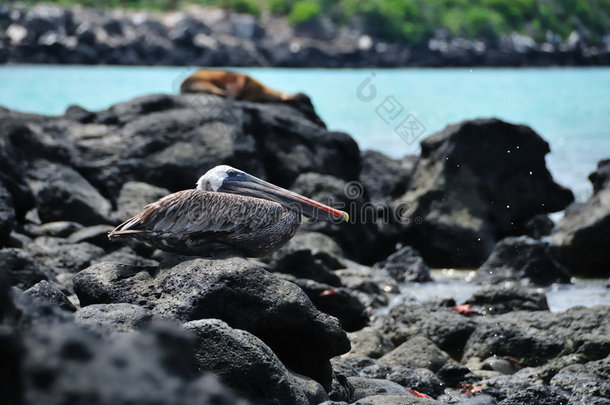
{"points": [[249, 185]]}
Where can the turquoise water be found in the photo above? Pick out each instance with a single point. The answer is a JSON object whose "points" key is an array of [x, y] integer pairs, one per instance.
{"points": [[569, 107]]}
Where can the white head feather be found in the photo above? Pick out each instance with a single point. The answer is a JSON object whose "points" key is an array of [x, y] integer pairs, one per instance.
{"points": [[213, 178]]}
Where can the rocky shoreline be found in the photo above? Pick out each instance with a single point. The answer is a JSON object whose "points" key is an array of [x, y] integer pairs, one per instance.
{"points": [[84, 320], [211, 37]]}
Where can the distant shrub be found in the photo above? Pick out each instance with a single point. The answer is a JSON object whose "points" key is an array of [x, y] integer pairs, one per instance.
{"points": [[245, 6], [304, 11]]}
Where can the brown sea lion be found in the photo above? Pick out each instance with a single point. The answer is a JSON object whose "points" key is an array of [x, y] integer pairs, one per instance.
{"points": [[235, 85], [240, 86]]}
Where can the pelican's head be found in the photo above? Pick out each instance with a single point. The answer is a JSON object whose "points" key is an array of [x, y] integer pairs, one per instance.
{"points": [[227, 179]]}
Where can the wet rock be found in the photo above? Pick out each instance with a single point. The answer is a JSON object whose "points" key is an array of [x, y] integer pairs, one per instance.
{"points": [[51, 292], [309, 255], [417, 352], [63, 194], [418, 379], [522, 258], [366, 387], [501, 365], [7, 214], [23, 270], [406, 265], [580, 237], [458, 208], [336, 301], [454, 374], [114, 317], [589, 379], [244, 363], [501, 299], [233, 290]]}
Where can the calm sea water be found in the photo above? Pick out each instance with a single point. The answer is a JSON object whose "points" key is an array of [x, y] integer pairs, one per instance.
{"points": [[569, 107]]}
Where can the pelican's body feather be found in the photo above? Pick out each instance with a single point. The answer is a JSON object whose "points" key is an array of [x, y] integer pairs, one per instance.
{"points": [[189, 221]]}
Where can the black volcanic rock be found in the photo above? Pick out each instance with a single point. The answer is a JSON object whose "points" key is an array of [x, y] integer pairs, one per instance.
{"points": [[406, 265], [476, 182], [601, 177], [581, 238], [7, 214], [244, 363], [500, 299], [233, 290], [22, 269], [522, 258]]}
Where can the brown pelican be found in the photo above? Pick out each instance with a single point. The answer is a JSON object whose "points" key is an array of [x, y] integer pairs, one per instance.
{"points": [[228, 207]]}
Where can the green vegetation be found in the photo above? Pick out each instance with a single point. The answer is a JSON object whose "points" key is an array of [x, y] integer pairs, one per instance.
{"points": [[415, 20]]}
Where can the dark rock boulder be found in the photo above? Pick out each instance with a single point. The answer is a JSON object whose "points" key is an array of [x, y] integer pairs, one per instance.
{"points": [[336, 301], [385, 178], [57, 361], [22, 269], [51, 292], [114, 317], [522, 258], [418, 379], [309, 255], [62, 194], [502, 299], [476, 182], [134, 196], [417, 352], [62, 256], [590, 379], [446, 328], [233, 290], [601, 177], [366, 387], [244, 363], [405, 265], [538, 394], [581, 238], [7, 215], [534, 340], [370, 342], [359, 238]]}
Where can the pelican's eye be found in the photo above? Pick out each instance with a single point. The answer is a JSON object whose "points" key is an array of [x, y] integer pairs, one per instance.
{"points": [[232, 173]]}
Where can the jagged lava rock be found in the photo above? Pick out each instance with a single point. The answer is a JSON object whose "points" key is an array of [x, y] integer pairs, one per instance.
{"points": [[522, 258], [581, 238], [244, 363], [503, 299], [234, 290], [405, 265], [22, 269], [475, 182], [7, 214]]}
